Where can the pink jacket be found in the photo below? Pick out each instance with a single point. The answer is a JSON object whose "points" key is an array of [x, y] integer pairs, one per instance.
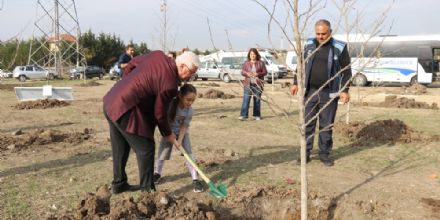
{"points": [[260, 69]]}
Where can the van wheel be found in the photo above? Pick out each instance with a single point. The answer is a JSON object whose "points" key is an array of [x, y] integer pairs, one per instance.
{"points": [[204, 79], [413, 80], [359, 80], [50, 76], [226, 78], [22, 78]]}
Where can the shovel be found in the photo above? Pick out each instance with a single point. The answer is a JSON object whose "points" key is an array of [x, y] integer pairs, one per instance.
{"points": [[219, 191]]}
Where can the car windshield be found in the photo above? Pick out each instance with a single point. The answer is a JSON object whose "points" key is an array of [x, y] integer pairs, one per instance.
{"points": [[271, 59]]}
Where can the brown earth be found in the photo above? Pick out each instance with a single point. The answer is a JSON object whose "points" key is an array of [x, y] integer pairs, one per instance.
{"points": [[41, 104], [415, 89], [380, 132], [215, 94], [90, 83], [392, 101], [19, 140], [256, 160]]}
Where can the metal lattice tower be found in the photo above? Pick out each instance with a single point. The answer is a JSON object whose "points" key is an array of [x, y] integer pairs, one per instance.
{"points": [[55, 43]]}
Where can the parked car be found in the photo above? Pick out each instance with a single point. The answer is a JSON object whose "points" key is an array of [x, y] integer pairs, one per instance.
{"points": [[115, 72], [5, 74], [22, 73], [89, 71], [208, 70]]}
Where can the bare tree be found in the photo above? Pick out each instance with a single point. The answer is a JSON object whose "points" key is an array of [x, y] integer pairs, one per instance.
{"points": [[300, 22]]}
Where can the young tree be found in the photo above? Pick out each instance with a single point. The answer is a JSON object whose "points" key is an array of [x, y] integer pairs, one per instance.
{"points": [[299, 21]]}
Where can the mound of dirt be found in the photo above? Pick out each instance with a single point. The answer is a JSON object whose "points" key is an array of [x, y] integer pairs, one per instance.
{"points": [[20, 141], [382, 132], [41, 104], [156, 205], [393, 101], [433, 204], [211, 84], [215, 94], [90, 83], [415, 89]]}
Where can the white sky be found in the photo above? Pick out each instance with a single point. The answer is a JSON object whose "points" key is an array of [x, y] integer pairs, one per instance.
{"points": [[245, 21]]}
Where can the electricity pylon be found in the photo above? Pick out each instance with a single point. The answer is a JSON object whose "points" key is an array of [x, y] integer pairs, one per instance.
{"points": [[55, 43]]}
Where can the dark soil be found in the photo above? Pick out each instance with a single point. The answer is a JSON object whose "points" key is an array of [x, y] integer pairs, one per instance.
{"points": [[90, 83], [211, 84], [433, 204], [255, 203], [41, 104], [415, 89], [393, 101], [382, 132], [19, 140], [215, 94]]}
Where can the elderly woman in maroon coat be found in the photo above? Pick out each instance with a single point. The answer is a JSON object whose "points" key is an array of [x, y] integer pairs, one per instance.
{"points": [[136, 104], [253, 71]]}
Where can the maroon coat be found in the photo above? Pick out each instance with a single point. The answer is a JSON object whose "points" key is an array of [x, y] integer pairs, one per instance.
{"points": [[147, 91], [260, 69]]}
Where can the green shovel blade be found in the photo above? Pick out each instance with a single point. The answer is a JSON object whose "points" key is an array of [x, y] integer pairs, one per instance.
{"points": [[219, 191]]}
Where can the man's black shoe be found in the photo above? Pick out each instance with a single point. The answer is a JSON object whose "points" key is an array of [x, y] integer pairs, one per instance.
{"points": [[326, 160], [125, 188], [298, 161]]}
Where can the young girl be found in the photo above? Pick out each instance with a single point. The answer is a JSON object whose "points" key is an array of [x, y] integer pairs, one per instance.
{"points": [[180, 115]]}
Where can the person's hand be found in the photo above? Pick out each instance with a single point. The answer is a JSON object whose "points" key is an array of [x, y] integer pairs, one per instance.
{"points": [[344, 97], [293, 89], [171, 138]]}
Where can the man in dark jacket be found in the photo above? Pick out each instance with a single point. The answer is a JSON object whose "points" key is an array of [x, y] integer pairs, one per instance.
{"points": [[135, 105], [327, 74]]}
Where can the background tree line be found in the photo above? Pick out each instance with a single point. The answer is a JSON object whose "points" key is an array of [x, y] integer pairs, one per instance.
{"points": [[98, 49]]}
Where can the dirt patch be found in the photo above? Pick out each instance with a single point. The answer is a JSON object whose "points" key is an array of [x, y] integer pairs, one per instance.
{"points": [[380, 132], [433, 204], [19, 140], [210, 84], [90, 83], [9, 87], [41, 104], [215, 94], [392, 101], [156, 205], [257, 203], [415, 89]]}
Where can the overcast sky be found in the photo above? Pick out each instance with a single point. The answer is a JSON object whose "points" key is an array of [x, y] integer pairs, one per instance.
{"points": [[245, 21]]}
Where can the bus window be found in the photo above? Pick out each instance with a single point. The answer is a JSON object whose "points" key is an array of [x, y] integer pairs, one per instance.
{"points": [[437, 54]]}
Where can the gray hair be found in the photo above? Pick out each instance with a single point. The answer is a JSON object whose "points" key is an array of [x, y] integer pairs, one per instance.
{"points": [[188, 58], [323, 22]]}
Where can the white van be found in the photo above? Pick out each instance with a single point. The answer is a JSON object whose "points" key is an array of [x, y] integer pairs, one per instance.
{"points": [[232, 62], [291, 60]]}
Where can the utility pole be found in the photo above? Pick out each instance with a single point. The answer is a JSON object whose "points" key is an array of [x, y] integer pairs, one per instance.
{"points": [[56, 35], [163, 9]]}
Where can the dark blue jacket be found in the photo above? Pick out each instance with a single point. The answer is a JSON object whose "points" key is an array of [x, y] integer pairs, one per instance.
{"points": [[338, 58]]}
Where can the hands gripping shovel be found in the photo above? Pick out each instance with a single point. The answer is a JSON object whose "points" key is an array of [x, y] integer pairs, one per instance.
{"points": [[219, 191]]}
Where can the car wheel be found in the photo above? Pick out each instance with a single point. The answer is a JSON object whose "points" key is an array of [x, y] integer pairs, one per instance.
{"points": [[359, 80], [22, 78], [50, 76], [413, 80], [204, 79], [226, 78]]}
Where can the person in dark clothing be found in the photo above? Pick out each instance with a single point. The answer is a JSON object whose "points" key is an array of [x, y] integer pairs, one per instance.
{"points": [[327, 75], [125, 57], [135, 105]]}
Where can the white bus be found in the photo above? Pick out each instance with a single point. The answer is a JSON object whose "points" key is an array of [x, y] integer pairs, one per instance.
{"points": [[395, 59]]}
